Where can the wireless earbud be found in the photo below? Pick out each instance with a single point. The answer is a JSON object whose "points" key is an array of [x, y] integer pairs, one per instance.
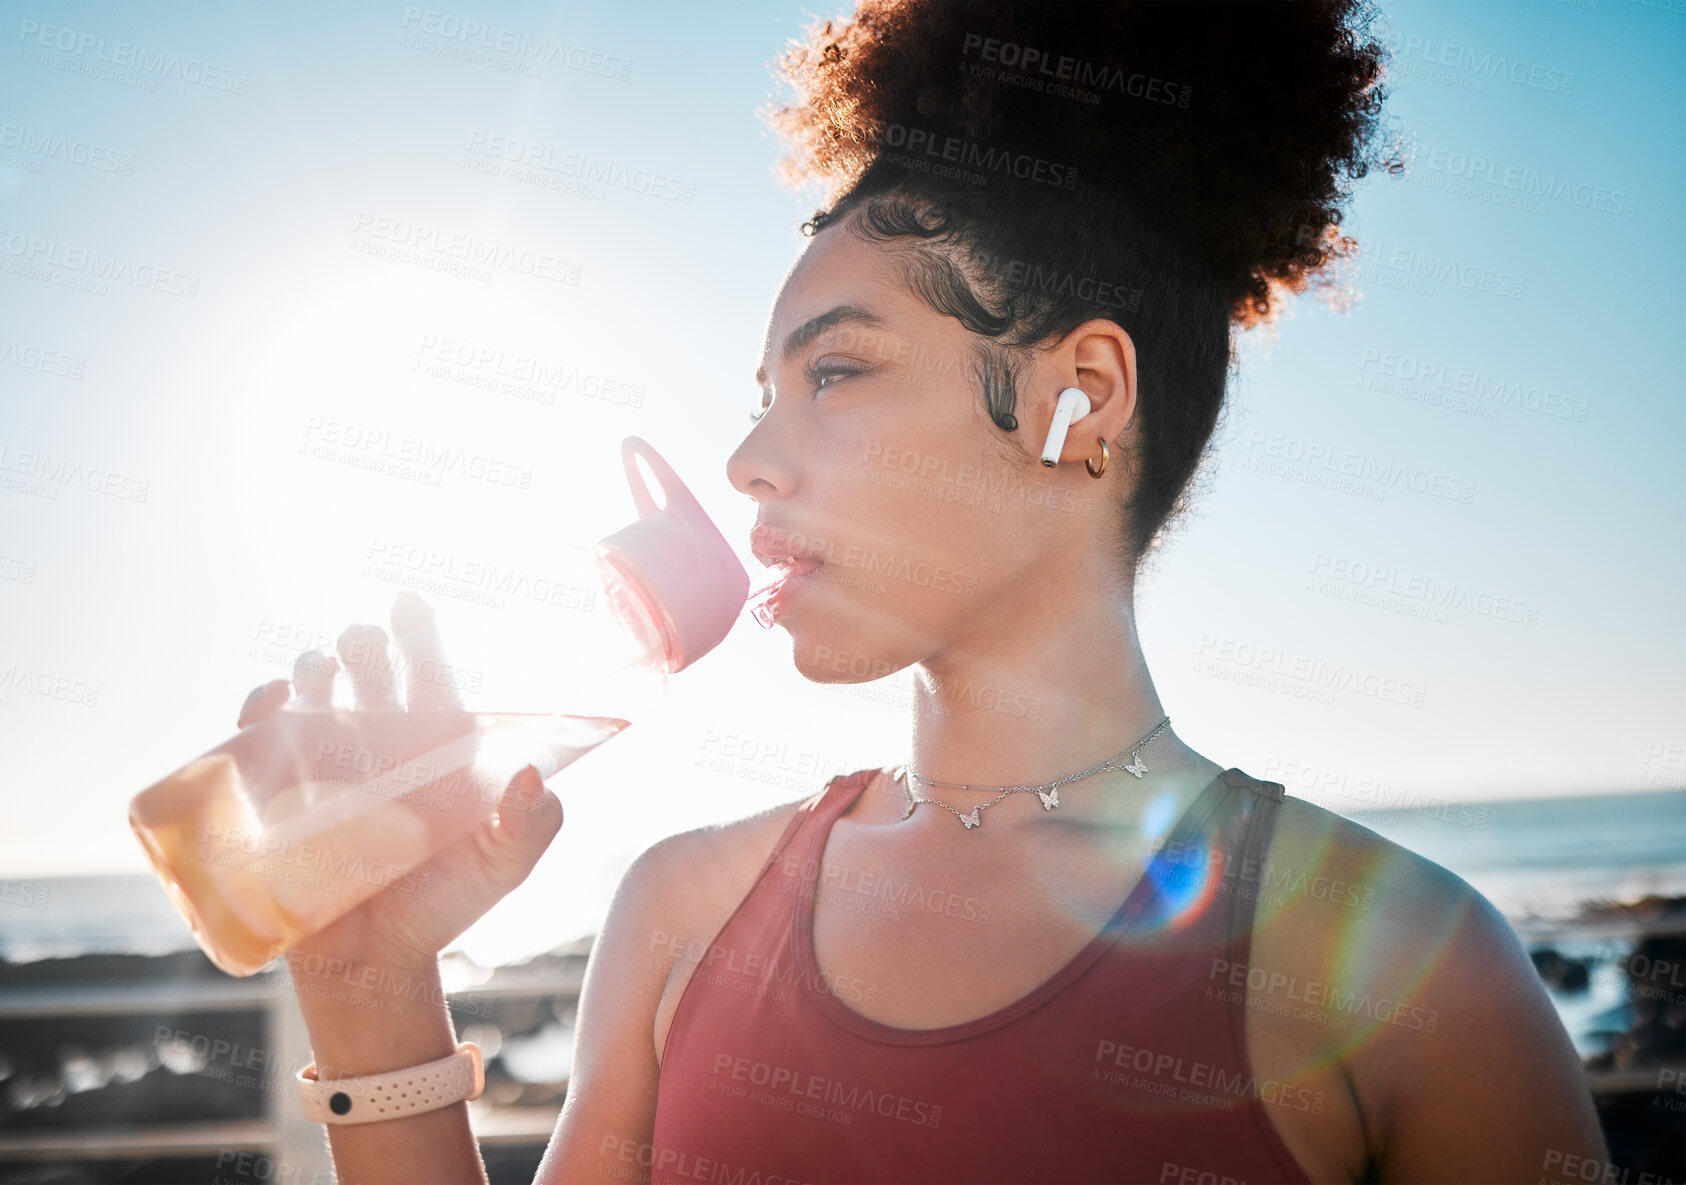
{"points": [[1072, 405]]}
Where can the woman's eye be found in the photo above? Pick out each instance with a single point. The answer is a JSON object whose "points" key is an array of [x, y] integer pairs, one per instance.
{"points": [[818, 376], [823, 374]]}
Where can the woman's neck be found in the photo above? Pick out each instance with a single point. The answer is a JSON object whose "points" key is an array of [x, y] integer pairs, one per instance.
{"points": [[1055, 693]]}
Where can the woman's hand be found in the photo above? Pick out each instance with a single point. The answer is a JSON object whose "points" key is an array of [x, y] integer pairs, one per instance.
{"points": [[369, 985], [400, 932]]}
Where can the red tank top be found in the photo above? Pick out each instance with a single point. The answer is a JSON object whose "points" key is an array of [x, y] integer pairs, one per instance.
{"points": [[1129, 1064]]}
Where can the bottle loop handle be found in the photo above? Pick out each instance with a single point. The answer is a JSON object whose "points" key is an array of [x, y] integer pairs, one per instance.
{"points": [[677, 495]]}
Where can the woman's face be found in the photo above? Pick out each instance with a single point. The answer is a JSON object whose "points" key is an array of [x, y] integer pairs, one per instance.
{"points": [[877, 455]]}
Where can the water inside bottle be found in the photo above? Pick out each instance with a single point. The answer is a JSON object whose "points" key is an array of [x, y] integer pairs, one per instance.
{"points": [[294, 822]]}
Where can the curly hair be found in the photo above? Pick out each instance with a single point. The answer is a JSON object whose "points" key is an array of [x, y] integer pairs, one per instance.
{"points": [[1175, 167]]}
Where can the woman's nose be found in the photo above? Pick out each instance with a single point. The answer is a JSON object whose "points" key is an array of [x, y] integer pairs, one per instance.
{"points": [[762, 466]]}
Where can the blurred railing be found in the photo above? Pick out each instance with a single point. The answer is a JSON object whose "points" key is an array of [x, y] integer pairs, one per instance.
{"points": [[299, 1148], [292, 1142]]}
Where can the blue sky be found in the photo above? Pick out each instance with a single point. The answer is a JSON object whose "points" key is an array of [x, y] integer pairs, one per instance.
{"points": [[1514, 350]]}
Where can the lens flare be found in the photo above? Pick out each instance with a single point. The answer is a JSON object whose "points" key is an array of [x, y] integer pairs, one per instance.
{"points": [[1185, 877]]}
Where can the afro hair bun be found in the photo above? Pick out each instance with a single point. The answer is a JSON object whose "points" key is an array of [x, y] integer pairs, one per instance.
{"points": [[1234, 129]]}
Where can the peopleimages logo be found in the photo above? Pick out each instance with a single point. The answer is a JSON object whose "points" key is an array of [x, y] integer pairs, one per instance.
{"points": [[1412, 264], [1361, 466], [46, 361], [51, 472], [470, 250], [366, 447], [1526, 182], [968, 154], [19, 677], [1191, 1080], [1308, 669], [134, 57], [1484, 63], [1423, 587], [1323, 996], [801, 1084], [1439, 268], [33, 253], [1065, 68], [579, 166], [486, 576], [521, 375], [308, 866], [1463, 381], [53, 146], [1025, 274], [516, 45]]}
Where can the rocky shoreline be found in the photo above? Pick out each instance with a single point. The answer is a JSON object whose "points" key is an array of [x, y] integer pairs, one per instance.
{"points": [[88, 1070]]}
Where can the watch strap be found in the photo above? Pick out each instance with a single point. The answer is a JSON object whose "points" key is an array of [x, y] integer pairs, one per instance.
{"points": [[372, 1098]]}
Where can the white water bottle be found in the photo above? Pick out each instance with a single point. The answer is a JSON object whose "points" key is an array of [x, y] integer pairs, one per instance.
{"points": [[389, 751]]}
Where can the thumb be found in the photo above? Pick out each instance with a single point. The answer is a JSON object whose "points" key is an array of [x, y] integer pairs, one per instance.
{"points": [[528, 818]]}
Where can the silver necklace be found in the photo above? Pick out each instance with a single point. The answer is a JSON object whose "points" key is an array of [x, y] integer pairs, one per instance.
{"points": [[1048, 792]]}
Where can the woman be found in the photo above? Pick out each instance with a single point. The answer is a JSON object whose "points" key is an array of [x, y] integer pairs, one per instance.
{"points": [[1158, 968]]}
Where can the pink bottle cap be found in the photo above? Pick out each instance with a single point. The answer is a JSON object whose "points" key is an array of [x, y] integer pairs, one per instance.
{"points": [[671, 576]]}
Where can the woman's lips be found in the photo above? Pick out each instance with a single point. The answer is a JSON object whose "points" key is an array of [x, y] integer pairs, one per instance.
{"points": [[780, 579]]}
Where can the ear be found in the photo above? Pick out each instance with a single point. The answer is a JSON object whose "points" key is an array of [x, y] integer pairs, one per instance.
{"points": [[1099, 358]]}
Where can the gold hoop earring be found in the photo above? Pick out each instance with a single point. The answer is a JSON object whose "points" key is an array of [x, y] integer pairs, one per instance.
{"points": [[1088, 462]]}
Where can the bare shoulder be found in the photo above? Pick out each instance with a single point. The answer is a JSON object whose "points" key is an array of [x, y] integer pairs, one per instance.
{"points": [[1388, 881], [700, 875], [1397, 919], [674, 897], [677, 887], [1450, 1044], [696, 880]]}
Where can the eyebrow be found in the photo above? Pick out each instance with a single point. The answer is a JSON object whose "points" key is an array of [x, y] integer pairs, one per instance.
{"points": [[803, 335]]}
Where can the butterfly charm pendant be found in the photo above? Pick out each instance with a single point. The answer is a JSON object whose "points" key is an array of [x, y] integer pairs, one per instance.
{"points": [[1136, 767], [971, 820], [1050, 798]]}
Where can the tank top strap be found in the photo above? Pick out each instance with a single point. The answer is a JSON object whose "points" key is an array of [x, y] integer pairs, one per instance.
{"points": [[817, 812], [1244, 873]]}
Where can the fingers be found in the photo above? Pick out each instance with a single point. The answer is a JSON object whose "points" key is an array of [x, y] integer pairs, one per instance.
{"points": [[428, 682], [481, 868], [368, 660], [416, 650], [263, 702], [313, 679], [528, 818]]}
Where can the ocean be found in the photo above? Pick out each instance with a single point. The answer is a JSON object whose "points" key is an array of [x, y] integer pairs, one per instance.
{"points": [[1534, 859], [1546, 857]]}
